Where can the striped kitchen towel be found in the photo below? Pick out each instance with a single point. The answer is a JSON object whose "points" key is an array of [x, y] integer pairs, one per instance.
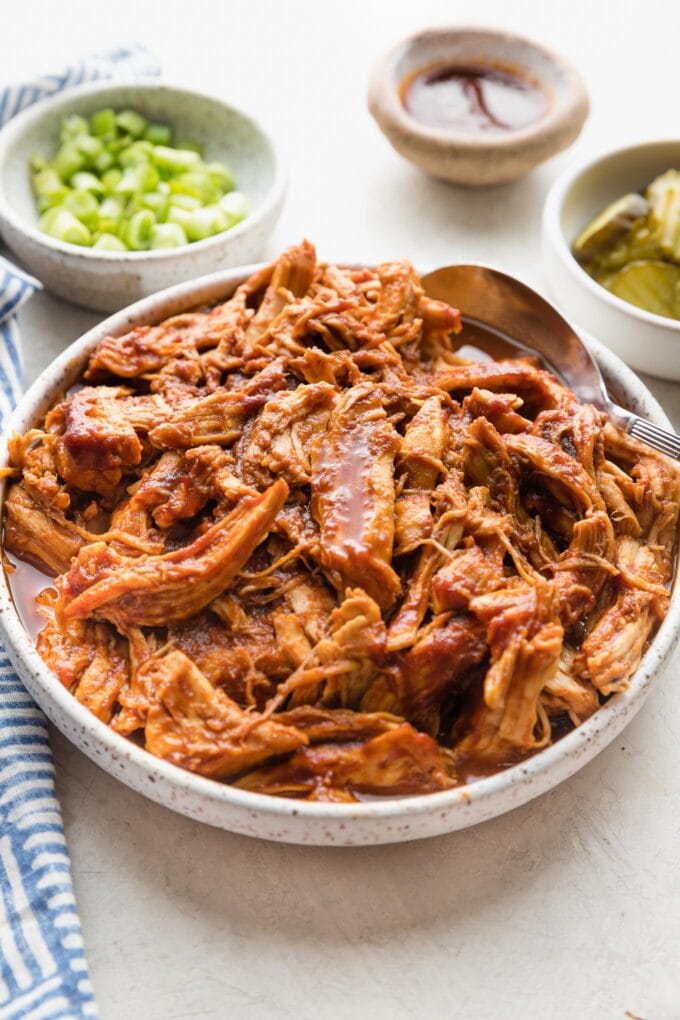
{"points": [[123, 62], [43, 971]]}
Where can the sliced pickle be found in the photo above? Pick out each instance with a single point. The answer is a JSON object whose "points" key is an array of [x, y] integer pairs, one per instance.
{"points": [[640, 243], [610, 227], [649, 284], [663, 195]]}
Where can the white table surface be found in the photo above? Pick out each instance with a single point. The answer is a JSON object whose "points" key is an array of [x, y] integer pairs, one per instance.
{"points": [[566, 908]]}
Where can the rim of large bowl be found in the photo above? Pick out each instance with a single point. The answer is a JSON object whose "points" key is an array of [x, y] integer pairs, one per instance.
{"points": [[22, 121], [483, 790], [552, 214]]}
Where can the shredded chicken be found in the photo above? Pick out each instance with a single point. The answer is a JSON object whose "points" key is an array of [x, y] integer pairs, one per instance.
{"points": [[301, 545]]}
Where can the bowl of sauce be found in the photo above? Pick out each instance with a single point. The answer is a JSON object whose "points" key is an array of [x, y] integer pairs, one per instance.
{"points": [[476, 106]]}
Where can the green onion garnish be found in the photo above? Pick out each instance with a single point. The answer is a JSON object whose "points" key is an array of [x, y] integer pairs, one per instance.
{"points": [[118, 183]]}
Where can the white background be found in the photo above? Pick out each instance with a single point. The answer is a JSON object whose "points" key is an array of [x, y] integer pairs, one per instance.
{"points": [[566, 908]]}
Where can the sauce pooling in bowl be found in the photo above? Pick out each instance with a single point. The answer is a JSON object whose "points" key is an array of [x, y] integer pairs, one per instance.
{"points": [[473, 98]]}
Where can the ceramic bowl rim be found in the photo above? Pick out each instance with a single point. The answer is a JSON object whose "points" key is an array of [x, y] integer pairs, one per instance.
{"points": [[610, 716], [547, 126], [22, 122], [552, 216]]}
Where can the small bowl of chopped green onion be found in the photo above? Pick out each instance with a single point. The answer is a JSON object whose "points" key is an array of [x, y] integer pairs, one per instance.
{"points": [[111, 191], [611, 252]]}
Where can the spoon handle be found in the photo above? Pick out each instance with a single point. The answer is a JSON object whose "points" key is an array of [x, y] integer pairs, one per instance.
{"points": [[662, 440]]}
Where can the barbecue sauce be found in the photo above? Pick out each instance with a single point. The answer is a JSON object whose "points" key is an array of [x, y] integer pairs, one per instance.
{"points": [[473, 98]]}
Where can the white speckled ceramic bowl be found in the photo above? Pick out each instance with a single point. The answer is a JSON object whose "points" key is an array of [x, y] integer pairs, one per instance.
{"points": [[106, 280], [473, 159], [386, 821], [648, 342]]}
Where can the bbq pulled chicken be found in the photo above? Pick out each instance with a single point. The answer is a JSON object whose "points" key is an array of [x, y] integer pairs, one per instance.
{"points": [[300, 545]]}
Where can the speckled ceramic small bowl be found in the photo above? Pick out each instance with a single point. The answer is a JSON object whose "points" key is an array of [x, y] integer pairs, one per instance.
{"points": [[289, 821], [474, 159], [648, 342], [106, 280]]}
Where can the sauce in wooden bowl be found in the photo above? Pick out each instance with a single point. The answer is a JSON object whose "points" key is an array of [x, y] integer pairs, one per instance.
{"points": [[473, 98]]}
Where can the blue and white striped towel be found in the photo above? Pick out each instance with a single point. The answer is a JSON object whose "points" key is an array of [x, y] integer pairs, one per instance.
{"points": [[43, 970], [124, 62]]}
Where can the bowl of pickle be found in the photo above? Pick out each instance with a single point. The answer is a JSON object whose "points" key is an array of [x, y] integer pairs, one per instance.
{"points": [[611, 248], [112, 191]]}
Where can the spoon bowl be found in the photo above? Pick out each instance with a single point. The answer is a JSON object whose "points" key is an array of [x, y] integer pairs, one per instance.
{"points": [[534, 326]]}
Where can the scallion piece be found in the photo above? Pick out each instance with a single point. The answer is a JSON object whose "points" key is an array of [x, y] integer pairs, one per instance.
{"points": [[63, 225], [236, 207], [89, 147], [158, 134], [205, 222], [175, 161], [198, 185], [85, 181], [111, 213], [47, 182], [186, 201], [138, 233], [84, 207], [167, 235], [221, 175], [112, 178], [137, 152], [132, 123], [142, 177], [71, 127], [157, 203], [103, 124], [103, 162], [68, 161], [109, 242]]}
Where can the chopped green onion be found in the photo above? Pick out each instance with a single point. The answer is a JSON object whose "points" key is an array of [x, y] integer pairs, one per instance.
{"points": [[111, 214], [84, 207], [221, 175], [198, 185], [138, 233], [103, 124], [167, 235], [109, 242], [117, 182], [47, 182], [71, 127], [68, 161], [45, 202], [205, 222], [236, 207], [175, 161], [132, 122], [136, 153], [103, 161], [158, 134], [186, 201], [182, 217], [89, 146], [63, 225], [49, 189], [142, 177], [112, 178], [85, 181], [157, 203]]}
